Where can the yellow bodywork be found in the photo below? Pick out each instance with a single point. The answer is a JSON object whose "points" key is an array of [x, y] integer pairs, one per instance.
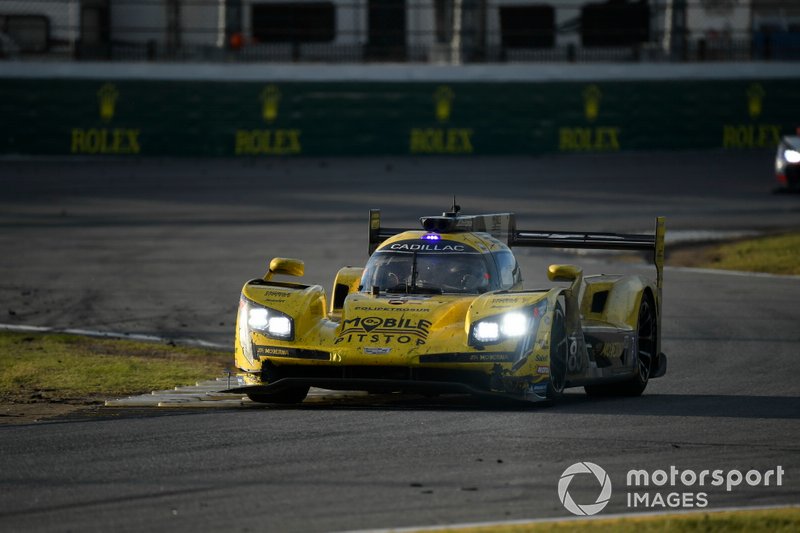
{"points": [[357, 328], [400, 330]]}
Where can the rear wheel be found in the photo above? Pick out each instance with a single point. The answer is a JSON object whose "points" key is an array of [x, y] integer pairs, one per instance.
{"points": [[558, 355], [646, 334], [286, 396]]}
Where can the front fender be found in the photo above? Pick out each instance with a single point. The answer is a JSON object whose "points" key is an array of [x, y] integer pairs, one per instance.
{"points": [[497, 303], [532, 351], [304, 303]]}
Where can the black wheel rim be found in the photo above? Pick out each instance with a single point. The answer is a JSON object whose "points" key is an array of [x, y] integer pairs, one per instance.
{"points": [[647, 339]]}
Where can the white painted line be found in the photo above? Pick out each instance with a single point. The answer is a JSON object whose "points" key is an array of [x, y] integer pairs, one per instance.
{"points": [[206, 394], [682, 236], [739, 273], [130, 402], [112, 335], [714, 271], [200, 404], [571, 518]]}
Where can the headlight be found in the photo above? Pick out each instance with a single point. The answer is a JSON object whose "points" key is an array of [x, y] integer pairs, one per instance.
{"points": [[791, 156], [486, 331], [267, 321], [514, 324], [508, 325]]}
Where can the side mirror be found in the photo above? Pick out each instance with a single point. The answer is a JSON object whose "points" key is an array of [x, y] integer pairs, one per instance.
{"points": [[564, 272], [285, 266]]}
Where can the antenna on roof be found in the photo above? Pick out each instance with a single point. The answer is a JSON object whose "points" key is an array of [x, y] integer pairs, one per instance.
{"points": [[453, 210]]}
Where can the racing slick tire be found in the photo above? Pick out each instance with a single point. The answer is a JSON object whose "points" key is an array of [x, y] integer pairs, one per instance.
{"points": [[286, 396], [558, 355], [647, 333]]}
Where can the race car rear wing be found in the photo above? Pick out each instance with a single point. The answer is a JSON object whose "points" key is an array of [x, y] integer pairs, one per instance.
{"points": [[598, 241], [502, 226]]}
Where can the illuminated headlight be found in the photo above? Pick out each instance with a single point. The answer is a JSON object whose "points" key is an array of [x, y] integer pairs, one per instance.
{"points": [[280, 326], [258, 318], [267, 321], [509, 325], [486, 331], [791, 156], [514, 324]]}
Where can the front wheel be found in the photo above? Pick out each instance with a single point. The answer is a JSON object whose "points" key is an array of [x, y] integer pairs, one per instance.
{"points": [[646, 336], [558, 355], [285, 396]]}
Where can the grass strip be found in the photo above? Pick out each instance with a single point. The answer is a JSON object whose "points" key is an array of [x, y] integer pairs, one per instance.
{"points": [[71, 368], [777, 254], [786, 520]]}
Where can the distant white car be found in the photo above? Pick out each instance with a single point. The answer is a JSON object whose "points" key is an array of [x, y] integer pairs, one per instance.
{"points": [[787, 163]]}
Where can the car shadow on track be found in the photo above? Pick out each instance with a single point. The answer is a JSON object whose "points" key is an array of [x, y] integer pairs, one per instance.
{"points": [[695, 405], [408, 402]]}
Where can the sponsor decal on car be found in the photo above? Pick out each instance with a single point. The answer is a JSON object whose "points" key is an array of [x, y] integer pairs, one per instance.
{"points": [[414, 247], [270, 350], [385, 330], [376, 351], [502, 303], [277, 351], [505, 357], [392, 309]]}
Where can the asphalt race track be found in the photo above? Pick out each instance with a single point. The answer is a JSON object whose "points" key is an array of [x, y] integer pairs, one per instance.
{"points": [[162, 247]]}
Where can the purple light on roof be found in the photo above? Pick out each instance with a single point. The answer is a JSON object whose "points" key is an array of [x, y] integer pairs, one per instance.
{"points": [[431, 237]]}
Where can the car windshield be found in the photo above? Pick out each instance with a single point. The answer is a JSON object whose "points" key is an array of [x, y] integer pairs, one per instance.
{"points": [[426, 273]]}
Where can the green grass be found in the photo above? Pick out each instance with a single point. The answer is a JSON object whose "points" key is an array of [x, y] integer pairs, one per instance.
{"points": [[767, 521], [62, 367], [779, 254]]}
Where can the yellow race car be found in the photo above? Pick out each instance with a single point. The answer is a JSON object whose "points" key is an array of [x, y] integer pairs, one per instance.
{"points": [[441, 309]]}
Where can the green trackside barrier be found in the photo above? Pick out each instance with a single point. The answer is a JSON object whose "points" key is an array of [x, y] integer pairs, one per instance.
{"points": [[201, 118]]}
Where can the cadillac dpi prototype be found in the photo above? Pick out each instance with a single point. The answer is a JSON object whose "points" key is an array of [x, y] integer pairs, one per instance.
{"points": [[441, 309]]}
